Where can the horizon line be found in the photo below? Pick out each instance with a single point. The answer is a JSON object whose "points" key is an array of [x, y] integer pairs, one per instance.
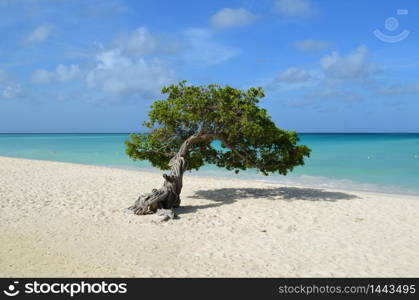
{"points": [[299, 132]]}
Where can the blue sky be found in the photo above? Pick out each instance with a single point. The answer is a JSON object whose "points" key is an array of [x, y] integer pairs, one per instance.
{"points": [[96, 66]]}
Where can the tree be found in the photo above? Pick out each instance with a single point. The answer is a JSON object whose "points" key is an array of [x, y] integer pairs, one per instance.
{"points": [[183, 127]]}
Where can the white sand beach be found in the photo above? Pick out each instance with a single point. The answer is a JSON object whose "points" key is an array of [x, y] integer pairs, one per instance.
{"points": [[61, 219]]}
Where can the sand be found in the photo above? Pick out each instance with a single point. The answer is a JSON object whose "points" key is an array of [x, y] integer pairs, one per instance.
{"points": [[67, 220]]}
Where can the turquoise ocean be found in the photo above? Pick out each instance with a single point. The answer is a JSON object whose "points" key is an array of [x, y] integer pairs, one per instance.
{"points": [[372, 161]]}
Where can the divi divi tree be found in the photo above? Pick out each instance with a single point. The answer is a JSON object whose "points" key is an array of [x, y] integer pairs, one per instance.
{"points": [[183, 127]]}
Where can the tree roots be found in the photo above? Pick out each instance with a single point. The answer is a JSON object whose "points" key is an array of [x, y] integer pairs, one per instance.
{"points": [[167, 197]]}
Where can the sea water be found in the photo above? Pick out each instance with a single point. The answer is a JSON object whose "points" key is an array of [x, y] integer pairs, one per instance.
{"points": [[370, 161]]}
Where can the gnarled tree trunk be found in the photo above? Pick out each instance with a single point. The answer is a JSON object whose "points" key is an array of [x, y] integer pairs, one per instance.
{"points": [[167, 197]]}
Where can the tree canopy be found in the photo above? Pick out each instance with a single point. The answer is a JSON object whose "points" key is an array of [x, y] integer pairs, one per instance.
{"points": [[192, 118]]}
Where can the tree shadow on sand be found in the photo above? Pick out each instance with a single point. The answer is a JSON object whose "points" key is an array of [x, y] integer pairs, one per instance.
{"points": [[230, 195]]}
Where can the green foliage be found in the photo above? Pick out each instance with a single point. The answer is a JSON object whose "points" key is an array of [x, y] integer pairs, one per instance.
{"points": [[248, 136]]}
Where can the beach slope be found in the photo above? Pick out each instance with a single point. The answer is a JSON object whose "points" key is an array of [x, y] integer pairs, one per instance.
{"points": [[68, 220]]}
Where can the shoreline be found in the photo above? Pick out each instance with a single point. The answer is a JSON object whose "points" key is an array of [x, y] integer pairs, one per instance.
{"points": [[226, 176], [68, 220]]}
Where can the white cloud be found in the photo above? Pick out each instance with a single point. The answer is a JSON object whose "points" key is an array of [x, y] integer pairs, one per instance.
{"points": [[332, 94], [311, 45], [131, 67], [3, 76], [354, 66], [202, 49], [67, 73], [60, 74], [353, 69], [8, 88], [12, 91], [294, 74], [229, 18], [42, 76], [399, 89], [141, 42], [321, 96], [39, 35], [294, 8], [120, 70], [339, 78], [122, 75], [295, 78]]}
